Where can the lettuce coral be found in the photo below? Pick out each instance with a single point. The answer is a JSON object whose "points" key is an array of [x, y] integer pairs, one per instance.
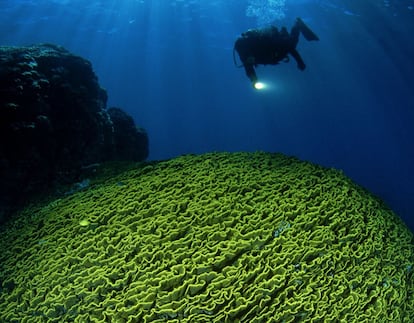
{"points": [[220, 237]]}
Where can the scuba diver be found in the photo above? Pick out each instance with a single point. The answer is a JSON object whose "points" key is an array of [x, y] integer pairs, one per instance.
{"points": [[270, 46]]}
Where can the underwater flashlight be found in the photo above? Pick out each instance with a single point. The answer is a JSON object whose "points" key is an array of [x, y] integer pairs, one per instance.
{"points": [[259, 85]]}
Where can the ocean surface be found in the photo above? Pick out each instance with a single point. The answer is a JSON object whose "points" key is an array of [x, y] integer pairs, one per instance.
{"points": [[170, 65]]}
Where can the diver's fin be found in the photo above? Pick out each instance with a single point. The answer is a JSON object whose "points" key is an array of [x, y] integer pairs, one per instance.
{"points": [[306, 31]]}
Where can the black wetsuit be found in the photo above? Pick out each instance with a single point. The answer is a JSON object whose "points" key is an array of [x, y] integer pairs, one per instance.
{"points": [[270, 46]]}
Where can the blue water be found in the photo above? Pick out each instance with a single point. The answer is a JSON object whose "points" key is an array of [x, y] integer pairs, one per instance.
{"points": [[170, 65]]}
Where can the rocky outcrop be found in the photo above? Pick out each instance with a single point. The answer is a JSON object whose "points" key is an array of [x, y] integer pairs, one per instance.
{"points": [[53, 122], [127, 137]]}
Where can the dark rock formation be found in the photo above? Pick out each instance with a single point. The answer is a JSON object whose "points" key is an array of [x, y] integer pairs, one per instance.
{"points": [[127, 137], [53, 122]]}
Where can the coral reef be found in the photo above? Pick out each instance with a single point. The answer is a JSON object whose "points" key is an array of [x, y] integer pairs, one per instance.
{"points": [[53, 121], [242, 237]]}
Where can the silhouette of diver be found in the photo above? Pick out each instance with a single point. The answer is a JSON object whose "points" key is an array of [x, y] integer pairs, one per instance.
{"points": [[270, 46]]}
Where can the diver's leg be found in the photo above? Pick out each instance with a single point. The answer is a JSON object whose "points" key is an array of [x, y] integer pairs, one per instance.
{"points": [[305, 30], [298, 59], [294, 34]]}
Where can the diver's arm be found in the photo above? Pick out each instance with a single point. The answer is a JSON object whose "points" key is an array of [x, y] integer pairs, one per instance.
{"points": [[298, 59], [250, 72]]}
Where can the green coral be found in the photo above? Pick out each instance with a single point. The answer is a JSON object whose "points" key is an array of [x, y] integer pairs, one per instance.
{"points": [[213, 238]]}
